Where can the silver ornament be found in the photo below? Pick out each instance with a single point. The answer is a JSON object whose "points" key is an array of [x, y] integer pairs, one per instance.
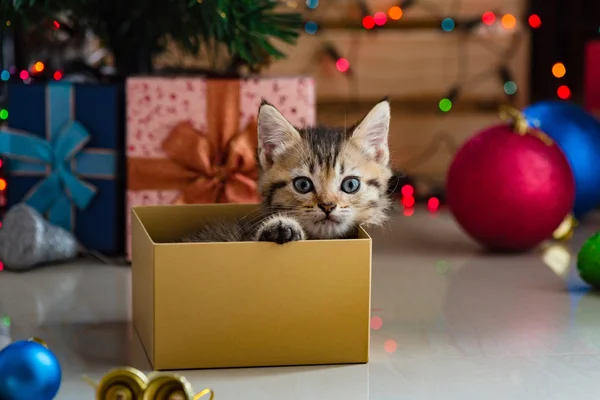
{"points": [[27, 239]]}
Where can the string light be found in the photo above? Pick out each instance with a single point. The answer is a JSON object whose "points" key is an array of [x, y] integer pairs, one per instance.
{"points": [[368, 22], [1, 266], [58, 76], [510, 88], [5, 75], [433, 204], [445, 105], [3, 114], [380, 18], [448, 24], [559, 70], [311, 27], [312, 4], [38, 66], [2, 184], [342, 65], [395, 13], [24, 75], [509, 21], [407, 190], [563, 92], [488, 18], [535, 21], [408, 211]]}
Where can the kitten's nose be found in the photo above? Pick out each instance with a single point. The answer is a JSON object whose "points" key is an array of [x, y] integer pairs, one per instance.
{"points": [[327, 207]]}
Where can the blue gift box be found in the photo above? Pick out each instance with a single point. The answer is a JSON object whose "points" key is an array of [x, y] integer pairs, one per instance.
{"points": [[65, 146]]}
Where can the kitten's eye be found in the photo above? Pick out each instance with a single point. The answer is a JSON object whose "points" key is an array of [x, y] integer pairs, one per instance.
{"points": [[303, 185], [350, 185]]}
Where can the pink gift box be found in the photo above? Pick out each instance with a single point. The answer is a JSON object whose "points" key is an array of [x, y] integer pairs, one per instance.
{"points": [[156, 106]]}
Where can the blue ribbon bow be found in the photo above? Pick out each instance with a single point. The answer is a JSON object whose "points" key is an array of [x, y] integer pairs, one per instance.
{"points": [[60, 159]]}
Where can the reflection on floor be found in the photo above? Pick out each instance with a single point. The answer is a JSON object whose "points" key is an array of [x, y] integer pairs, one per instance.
{"points": [[448, 322]]}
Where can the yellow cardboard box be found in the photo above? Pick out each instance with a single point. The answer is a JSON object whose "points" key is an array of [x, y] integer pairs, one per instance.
{"points": [[213, 305]]}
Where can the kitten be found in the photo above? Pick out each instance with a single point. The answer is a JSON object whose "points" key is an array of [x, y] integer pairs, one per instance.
{"points": [[316, 183]]}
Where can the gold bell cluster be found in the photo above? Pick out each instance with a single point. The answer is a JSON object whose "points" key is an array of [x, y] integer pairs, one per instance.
{"points": [[131, 384]]}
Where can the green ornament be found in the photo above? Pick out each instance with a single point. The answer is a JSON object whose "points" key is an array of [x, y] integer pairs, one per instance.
{"points": [[588, 261]]}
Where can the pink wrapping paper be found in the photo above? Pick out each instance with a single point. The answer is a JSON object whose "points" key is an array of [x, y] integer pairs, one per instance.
{"points": [[156, 104]]}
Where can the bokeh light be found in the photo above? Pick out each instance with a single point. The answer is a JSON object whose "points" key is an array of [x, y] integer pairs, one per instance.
{"points": [[311, 27], [24, 75], [368, 22], [509, 21], [407, 190], [510, 88], [395, 13], [563, 92], [535, 21], [2, 184], [312, 3], [56, 24], [38, 66], [5, 75], [342, 65], [488, 18], [1, 266], [408, 211], [58, 75], [380, 18], [3, 114], [433, 204], [559, 70], [390, 346], [408, 201], [448, 24], [376, 323], [445, 105]]}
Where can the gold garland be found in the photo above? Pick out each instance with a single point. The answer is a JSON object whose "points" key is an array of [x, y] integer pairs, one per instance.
{"points": [[128, 383]]}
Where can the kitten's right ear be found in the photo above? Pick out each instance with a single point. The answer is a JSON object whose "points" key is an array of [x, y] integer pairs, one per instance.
{"points": [[275, 134]]}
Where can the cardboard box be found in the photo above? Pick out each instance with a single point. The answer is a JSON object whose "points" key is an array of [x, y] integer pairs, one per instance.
{"points": [[247, 304]]}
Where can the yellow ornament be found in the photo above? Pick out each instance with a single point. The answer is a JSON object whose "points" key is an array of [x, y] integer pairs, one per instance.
{"points": [[131, 384]]}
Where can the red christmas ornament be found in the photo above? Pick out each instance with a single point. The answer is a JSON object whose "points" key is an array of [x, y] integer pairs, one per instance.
{"points": [[510, 187]]}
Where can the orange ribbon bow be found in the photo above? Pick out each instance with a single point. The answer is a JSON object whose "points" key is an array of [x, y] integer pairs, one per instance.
{"points": [[218, 166]]}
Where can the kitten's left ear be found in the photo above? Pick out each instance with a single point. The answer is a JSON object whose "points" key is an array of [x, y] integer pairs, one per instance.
{"points": [[371, 134]]}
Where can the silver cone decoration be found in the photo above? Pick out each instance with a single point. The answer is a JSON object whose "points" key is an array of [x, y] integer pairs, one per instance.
{"points": [[27, 240]]}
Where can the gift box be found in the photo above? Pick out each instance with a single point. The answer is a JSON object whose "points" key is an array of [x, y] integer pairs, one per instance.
{"points": [[246, 304], [592, 77], [63, 145], [193, 140]]}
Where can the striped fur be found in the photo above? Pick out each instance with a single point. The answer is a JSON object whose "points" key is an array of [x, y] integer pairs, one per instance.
{"points": [[326, 156]]}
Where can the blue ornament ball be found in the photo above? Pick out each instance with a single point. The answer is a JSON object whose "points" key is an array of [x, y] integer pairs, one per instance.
{"points": [[28, 371], [578, 135]]}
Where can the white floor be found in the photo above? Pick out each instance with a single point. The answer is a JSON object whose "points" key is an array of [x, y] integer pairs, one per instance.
{"points": [[449, 322]]}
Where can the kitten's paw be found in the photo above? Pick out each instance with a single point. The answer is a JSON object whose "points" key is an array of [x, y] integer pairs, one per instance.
{"points": [[280, 230]]}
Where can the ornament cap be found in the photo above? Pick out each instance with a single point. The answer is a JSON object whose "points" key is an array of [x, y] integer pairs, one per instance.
{"points": [[566, 228], [520, 125]]}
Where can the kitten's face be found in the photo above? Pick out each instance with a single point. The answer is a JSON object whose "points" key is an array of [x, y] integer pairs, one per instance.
{"points": [[330, 179]]}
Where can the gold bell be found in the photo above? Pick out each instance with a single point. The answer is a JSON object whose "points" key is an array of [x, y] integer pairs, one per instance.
{"points": [[168, 387], [122, 384]]}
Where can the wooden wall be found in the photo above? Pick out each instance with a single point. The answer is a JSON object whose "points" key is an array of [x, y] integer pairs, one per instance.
{"points": [[416, 64]]}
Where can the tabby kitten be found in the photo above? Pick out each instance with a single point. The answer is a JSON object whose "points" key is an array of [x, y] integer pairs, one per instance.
{"points": [[316, 183]]}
